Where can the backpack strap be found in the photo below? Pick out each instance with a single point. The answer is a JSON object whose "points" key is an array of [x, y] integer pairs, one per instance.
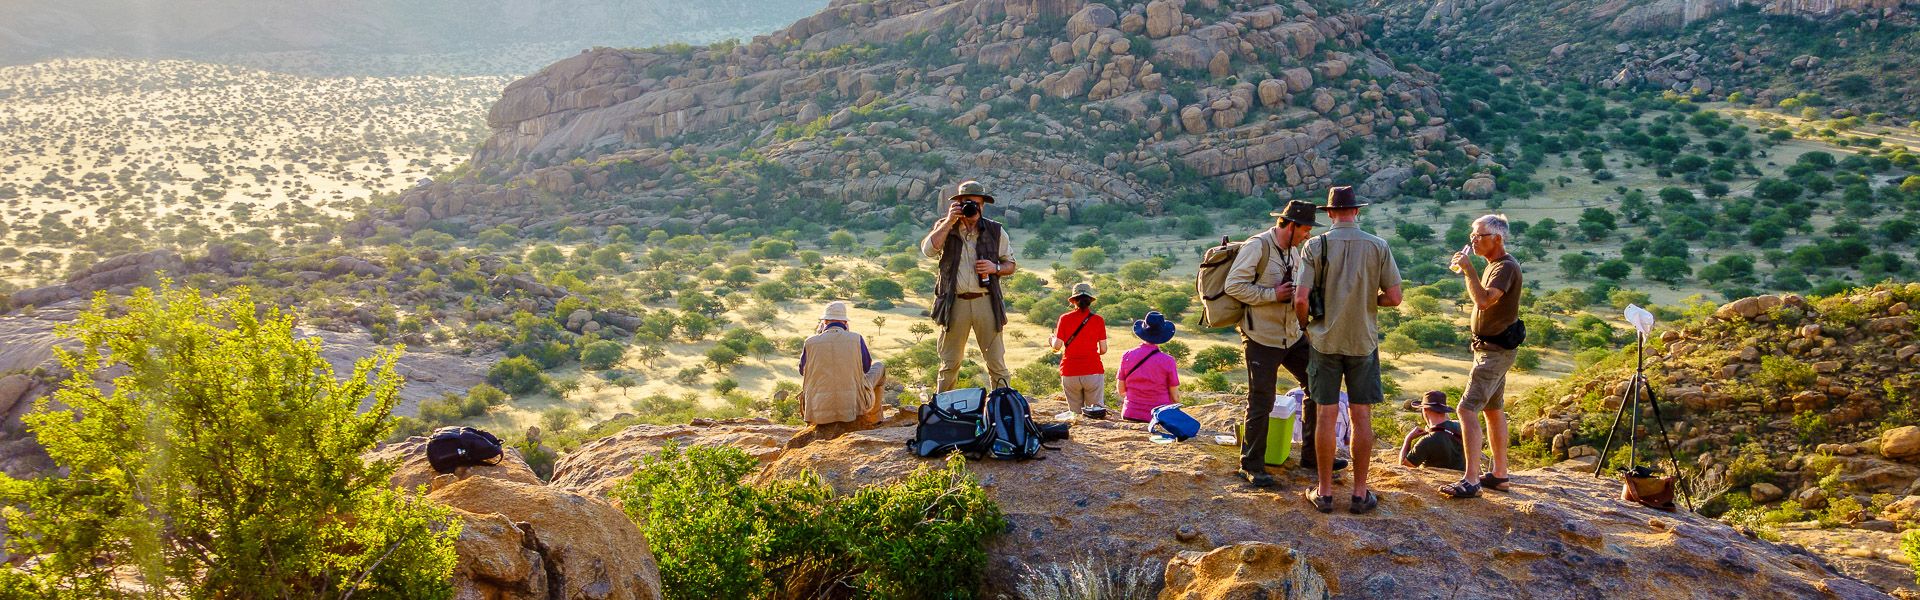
{"points": [[1136, 366], [1076, 331]]}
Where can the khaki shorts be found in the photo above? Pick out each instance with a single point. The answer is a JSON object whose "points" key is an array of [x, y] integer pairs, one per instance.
{"points": [[1487, 382]]}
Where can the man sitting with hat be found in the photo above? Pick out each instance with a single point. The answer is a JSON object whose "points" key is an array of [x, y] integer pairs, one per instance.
{"points": [[840, 383], [974, 254], [1262, 278], [1437, 444]]}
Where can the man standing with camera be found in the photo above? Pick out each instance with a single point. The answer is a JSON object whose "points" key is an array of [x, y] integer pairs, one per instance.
{"points": [[974, 254], [1345, 275], [1262, 278]]}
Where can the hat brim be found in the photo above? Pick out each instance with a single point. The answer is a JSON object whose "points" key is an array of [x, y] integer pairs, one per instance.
{"points": [[1283, 216], [1082, 295], [1332, 207], [1442, 409], [983, 197], [1153, 336]]}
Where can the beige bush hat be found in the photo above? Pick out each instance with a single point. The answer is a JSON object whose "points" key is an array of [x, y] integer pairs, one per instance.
{"points": [[971, 189], [836, 311], [1082, 289]]}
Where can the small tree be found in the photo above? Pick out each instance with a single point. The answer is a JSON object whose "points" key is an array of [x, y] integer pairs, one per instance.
{"points": [[225, 462]]}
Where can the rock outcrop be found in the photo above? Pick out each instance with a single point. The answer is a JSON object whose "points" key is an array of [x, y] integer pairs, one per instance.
{"points": [[1050, 102], [1243, 570], [115, 274], [598, 465], [1109, 490], [521, 539]]}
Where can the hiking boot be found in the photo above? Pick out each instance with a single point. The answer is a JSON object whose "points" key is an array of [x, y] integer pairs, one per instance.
{"points": [[1259, 479]]}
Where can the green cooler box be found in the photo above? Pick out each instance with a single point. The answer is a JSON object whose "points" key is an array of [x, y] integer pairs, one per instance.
{"points": [[1279, 439]]}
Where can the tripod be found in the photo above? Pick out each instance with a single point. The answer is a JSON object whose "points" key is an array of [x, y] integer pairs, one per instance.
{"points": [[1634, 386]]}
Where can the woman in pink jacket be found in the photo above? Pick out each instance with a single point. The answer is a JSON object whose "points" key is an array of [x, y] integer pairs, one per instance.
{"points": [[1149, 378]]}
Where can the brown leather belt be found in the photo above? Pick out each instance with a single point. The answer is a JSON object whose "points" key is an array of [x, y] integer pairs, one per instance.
{"points": [[970, 296]]}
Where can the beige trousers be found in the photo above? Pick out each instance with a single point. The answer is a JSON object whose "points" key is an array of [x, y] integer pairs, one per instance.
{"points": [[972, 316], [1084, 390]]}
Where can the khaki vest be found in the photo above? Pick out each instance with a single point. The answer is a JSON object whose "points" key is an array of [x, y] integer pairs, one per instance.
{"points": [[833, 388]]}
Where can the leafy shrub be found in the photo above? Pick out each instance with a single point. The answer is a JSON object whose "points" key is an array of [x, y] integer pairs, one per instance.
{"points": [[517, 375], [1784, 373], [601, 355], [1910, 546], [1526, 359], [297, 512], [1216, 359], [717, 537], [1749, 467]]}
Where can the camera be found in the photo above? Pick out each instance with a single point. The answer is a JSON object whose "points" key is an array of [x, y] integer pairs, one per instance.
{"points": [[969, 208]]}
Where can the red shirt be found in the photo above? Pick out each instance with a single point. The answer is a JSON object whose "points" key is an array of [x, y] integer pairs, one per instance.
{"points": [[1082, 357]]}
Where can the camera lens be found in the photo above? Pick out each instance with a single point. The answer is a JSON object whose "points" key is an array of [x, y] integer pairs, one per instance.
{"points": [[969, 208]]}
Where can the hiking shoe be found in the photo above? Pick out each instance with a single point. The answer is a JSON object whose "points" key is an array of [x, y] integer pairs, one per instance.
{"points": [[1460, 489], [1259, 479], [1363, 505], [1324, 504]]}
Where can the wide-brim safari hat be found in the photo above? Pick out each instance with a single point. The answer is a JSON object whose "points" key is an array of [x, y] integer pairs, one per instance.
{"points": [[1435, 401], [971, 189], [836, 311], [1155, 329], [1299, 212], [1082, 289], [1342, 197]]}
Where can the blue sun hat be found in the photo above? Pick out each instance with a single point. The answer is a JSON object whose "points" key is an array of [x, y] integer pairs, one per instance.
{"points": [[1155, 329]]}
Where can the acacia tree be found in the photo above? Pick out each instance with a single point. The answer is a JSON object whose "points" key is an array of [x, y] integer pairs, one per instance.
{"points": [[225, 462]]}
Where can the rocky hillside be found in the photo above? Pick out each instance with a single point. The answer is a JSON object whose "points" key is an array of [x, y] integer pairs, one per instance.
{"points": [[1776, 399], [35, 29], [871, 107], [1176, 510], [1857, 54]]}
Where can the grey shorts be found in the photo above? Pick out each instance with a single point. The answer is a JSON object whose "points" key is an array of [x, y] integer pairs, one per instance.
{"points": [[1487, 382], [1361, 374]]}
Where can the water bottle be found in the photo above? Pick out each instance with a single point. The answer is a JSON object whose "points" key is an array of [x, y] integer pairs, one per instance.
{"points": [[1467, 250]]}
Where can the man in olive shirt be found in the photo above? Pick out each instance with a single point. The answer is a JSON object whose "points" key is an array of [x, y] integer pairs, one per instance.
{"points": [[1355, 273], [1437, 444], [1262, 278], [1497, 332], [974, 254]]}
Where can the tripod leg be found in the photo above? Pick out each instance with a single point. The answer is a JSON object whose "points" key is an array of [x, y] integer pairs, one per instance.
{"points": [[1660, 421], [1633, 428], [1601, 462]]}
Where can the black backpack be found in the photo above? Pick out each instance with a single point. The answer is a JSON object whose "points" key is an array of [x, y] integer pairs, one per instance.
{"points": [[454, 447], [950, 421], [1014, 434]]}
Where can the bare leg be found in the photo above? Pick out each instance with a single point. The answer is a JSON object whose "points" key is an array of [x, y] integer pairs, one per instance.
{"points": [[1362, 419], [1323, 444], [1470, 441], [1497, 438]]}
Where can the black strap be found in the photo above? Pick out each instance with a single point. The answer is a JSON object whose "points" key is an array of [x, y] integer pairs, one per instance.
{"points": [[1136, 366], [1076, 332]]}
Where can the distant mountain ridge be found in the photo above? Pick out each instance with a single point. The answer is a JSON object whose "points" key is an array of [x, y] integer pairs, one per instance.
{"points": [[37, 29]]}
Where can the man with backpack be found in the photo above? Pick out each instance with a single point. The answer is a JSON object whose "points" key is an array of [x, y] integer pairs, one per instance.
{"points": [[1270, 332], [1345, 275], [974, 254]]}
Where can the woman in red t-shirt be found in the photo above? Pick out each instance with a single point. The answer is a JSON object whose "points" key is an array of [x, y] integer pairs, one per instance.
{"points": [[1083, 337]]}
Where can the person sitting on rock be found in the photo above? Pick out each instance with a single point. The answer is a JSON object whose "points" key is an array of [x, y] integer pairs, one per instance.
{"points": [[840, 383], [1149, 378], [1437, 444]]}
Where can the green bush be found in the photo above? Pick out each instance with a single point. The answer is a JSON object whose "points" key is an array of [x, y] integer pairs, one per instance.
{"points": [[1217, 359], [601, 355], [715, 536], [249, 483], [1784, 373], [517, 375], [1750, 466]]}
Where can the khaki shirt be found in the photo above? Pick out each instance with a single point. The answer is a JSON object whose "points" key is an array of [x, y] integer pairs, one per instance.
{"points": [[1359, 267], [966, 281], [1268, 322]]}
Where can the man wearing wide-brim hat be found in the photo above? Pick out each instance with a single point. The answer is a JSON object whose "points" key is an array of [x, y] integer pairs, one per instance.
{"points": [[1262, 278], [840, 383], [1437, 444], [1345, 275], [974, 253]]}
